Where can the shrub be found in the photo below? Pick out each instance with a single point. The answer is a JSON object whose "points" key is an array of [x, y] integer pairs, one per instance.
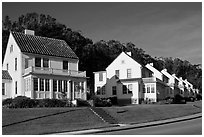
{"points": [[22, 102], [6, 103], [82, 103], [178, 99]]}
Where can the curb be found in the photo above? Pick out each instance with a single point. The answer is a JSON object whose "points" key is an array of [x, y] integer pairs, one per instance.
{"points": [[131, 126]]}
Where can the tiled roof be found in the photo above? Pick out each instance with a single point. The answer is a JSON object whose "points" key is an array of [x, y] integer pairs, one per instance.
{"points": [[6, 75], [43, 45]]}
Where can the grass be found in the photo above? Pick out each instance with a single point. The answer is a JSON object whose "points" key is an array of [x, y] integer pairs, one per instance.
{"points": [[146, 113], [48, 120]]}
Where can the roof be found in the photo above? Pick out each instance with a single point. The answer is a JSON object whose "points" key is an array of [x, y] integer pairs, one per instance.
{"points": [[43, 45], [138, 62], [6, 75]]}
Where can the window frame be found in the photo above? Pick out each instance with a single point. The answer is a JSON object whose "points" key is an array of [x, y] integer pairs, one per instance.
{"points": [[148, 87], [16, 64], [3, 88], [129, 73], [47, 84], [125, 89], [38, 64], [100, 76], [130, 88], [114, 90], [98, 91], [16, 87], [117, 73], [42, 83], [65, 65], [152, 87], [35, 81], [46, 62]]}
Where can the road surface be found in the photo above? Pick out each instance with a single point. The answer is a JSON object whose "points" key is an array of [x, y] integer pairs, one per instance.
{"points": [[189, 127]]}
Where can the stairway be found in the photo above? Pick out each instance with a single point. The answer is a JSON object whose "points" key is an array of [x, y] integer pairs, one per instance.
{"points": [[103, 115]]}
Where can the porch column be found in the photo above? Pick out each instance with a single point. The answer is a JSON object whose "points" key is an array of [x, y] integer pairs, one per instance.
{"points": [[73, 92], [51, 88], [68, 89], [57, 97], [80, 89], [31, 88], [85, 90]]}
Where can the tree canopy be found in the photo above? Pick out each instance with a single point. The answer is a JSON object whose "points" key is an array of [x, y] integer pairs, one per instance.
{"points": [[96, 56]]}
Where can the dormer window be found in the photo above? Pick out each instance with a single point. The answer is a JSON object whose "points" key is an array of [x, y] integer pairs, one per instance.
{"points": [[37, 62], [45, 63], [11, 48], [65, 65]]}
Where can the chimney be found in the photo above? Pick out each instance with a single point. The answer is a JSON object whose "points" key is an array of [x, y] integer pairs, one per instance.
{"points": [[129, 53], [29, 32], [165, 69], [151, 64]]}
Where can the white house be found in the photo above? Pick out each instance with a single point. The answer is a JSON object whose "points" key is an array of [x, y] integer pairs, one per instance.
{"points": [[173, 83], [122, 79], [42, 67], [159, 81], [6, 84]]}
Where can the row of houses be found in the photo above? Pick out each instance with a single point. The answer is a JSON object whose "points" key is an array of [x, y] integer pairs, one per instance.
{"points": [[131, 82], [41, 67]]}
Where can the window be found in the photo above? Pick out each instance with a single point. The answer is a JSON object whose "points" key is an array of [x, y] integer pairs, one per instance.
{"points": [[65, 86], [65, 65], [117, 73], [16, 87], [124, 89], [148, 88], [82, 86], [35, 83], [100, 76], [11, 48], [54, 85], [15, 63], [3, 89], [37, 62], [7, 66], [98, 91], [143, 89], [47, 85], [130, 89], [152, 88], [114, 91], [103, 90], [45, 63], [41, 84], [26, 63], [59, 85], [128, 73]]}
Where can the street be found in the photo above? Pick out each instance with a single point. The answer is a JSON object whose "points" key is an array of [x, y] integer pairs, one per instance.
{"points": [[189, 127]]}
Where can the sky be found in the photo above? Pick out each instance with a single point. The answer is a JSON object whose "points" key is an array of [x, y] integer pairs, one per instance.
{"points": [[162, 29]]}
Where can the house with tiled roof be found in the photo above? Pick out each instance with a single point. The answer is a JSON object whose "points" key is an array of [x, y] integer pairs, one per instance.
{"points": [[42, 67], [6, 84]]}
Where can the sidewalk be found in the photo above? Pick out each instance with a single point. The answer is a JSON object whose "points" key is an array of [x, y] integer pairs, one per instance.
{"points": [[131, 126]]}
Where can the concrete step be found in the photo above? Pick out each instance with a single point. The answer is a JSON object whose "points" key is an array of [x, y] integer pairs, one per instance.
{"points": [[104, 115]]}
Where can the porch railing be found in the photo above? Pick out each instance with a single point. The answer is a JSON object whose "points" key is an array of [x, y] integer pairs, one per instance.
{"points": [[54, 71]]}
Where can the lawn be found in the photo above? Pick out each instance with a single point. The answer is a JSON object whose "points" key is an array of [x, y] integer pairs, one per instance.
{"points": [[48, 120], [146, 113]]}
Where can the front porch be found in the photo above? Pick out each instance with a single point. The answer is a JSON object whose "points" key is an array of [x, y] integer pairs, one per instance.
{"points": [[41, 88]]}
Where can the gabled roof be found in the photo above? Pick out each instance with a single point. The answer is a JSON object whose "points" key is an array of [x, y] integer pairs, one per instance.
{"points": [[6, 75], [43, 45]]}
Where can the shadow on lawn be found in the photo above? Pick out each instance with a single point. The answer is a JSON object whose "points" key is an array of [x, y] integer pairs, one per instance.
{"points": [[38, 118]]}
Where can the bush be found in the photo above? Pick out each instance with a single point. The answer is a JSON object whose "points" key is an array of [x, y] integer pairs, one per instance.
{"points": [[22, 102], [98, 102], [6, 103], [52, 103], [113, 100], [178, 99], [82, 103], [198, 97]]}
